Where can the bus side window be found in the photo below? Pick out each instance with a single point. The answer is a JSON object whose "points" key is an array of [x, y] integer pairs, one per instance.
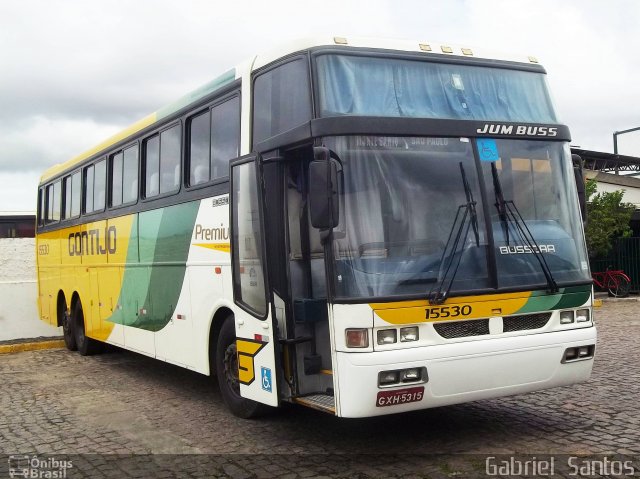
{"points": [[95, 179], [225, 136], [130, 175], [57, 200], [124, 176], [88, 189], [162, 162], [152, 166], [99, 189], [214, 140], [116, 179], [170, 159], [199, 136], [66, 193], [53, 202], [282, 99], [49, 206], [75, 194], [41, 206]]}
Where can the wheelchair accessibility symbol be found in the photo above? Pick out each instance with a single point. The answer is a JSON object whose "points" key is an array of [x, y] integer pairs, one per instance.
{"points": [[266, 379], [488, 149]]}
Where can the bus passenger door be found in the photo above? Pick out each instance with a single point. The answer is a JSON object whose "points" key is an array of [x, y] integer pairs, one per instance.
{"points": [[255, 331]]}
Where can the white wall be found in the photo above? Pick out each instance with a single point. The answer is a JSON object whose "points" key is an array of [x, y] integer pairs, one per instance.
{"points": [[19, 292], [631, 194], [608, 182]]}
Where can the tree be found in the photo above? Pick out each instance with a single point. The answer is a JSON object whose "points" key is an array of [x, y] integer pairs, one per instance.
{"points": [[608, 219]]}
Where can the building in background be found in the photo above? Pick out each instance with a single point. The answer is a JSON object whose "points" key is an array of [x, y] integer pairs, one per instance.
{"points": [[17, 224], [614, 172]]}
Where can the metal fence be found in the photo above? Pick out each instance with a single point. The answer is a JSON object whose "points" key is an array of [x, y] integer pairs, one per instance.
{"points": [[625, 255]]}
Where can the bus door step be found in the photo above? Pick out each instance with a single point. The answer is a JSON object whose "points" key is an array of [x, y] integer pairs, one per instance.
{"points": [[321, 402]]}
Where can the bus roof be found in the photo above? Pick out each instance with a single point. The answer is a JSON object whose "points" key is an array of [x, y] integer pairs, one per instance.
{"points": [[264, 59], [10, 214], [149, 120]]}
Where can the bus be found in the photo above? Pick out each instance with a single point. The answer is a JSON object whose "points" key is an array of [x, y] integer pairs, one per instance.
{"points": [[360, 226]]}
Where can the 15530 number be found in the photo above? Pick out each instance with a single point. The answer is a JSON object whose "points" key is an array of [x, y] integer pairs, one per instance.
{"points": [[453, 311]]}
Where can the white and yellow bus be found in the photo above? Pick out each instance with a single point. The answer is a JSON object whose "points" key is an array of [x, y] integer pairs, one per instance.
{"points": [[363, 227]]}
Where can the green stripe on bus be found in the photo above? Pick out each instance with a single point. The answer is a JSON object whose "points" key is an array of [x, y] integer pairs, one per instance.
{"points": [[574, 297], [570, 297], [151, 288], [134, 285], [206, 89], [170, 257]]}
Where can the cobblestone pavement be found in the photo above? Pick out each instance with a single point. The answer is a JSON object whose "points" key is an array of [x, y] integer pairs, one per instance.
{"points": [[58, 403]]}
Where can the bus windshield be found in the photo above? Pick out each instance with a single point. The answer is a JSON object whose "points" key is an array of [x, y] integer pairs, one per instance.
{"points": [[392, 87], [398, 203]]}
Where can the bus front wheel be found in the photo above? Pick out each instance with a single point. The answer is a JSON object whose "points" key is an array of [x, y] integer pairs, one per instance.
{"points": [[227, 372], [86, 345]]}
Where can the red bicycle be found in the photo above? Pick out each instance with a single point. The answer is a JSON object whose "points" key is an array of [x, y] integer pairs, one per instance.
{"points": [[614, 281]]}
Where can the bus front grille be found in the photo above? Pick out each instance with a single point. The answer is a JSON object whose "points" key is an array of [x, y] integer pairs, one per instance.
{"points": [[524, 322], [461, 329], [479, 327]]}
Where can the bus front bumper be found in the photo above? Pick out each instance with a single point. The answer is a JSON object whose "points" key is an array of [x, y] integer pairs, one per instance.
{"points": [[460, 372]]}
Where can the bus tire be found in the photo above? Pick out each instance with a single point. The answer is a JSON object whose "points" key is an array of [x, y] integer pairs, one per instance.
{"points": [[86, 346], [227, 371], [68, 331]]}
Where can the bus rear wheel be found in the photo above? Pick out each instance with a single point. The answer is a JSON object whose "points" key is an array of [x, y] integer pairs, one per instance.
{"points": [[64, 320], [68, 331], [227, 371], [86, 346]]}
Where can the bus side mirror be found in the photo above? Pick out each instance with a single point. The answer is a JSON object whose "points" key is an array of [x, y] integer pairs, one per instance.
{"points": [[580, 186], [323, 190]]}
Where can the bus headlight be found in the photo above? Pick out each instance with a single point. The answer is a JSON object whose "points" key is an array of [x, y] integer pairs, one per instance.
{"points": [[409, 334], [386, 378], [387, 336], [566, 317], [582, 316], [578, 353], [403, 376], [411, 375], [357, 338]]}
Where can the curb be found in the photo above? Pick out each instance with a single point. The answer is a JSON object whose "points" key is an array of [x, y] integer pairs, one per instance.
{"points": [[631, 299], [31, 346]]}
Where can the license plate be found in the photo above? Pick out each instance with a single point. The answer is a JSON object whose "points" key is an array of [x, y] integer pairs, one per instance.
{"points": [[399, 396]]}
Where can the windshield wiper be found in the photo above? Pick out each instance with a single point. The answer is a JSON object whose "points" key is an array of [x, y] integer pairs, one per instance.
{"points": [[501, 204], [509, 212], [471, 204], [458, 234]]}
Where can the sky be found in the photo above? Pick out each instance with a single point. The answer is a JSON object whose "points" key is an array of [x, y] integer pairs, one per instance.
{"points": [[74, 72]]}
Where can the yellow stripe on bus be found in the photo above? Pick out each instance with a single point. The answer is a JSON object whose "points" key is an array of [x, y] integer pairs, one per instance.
{"points": [[136, 127], [225, 247], [83, 259], [458, 308]]}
